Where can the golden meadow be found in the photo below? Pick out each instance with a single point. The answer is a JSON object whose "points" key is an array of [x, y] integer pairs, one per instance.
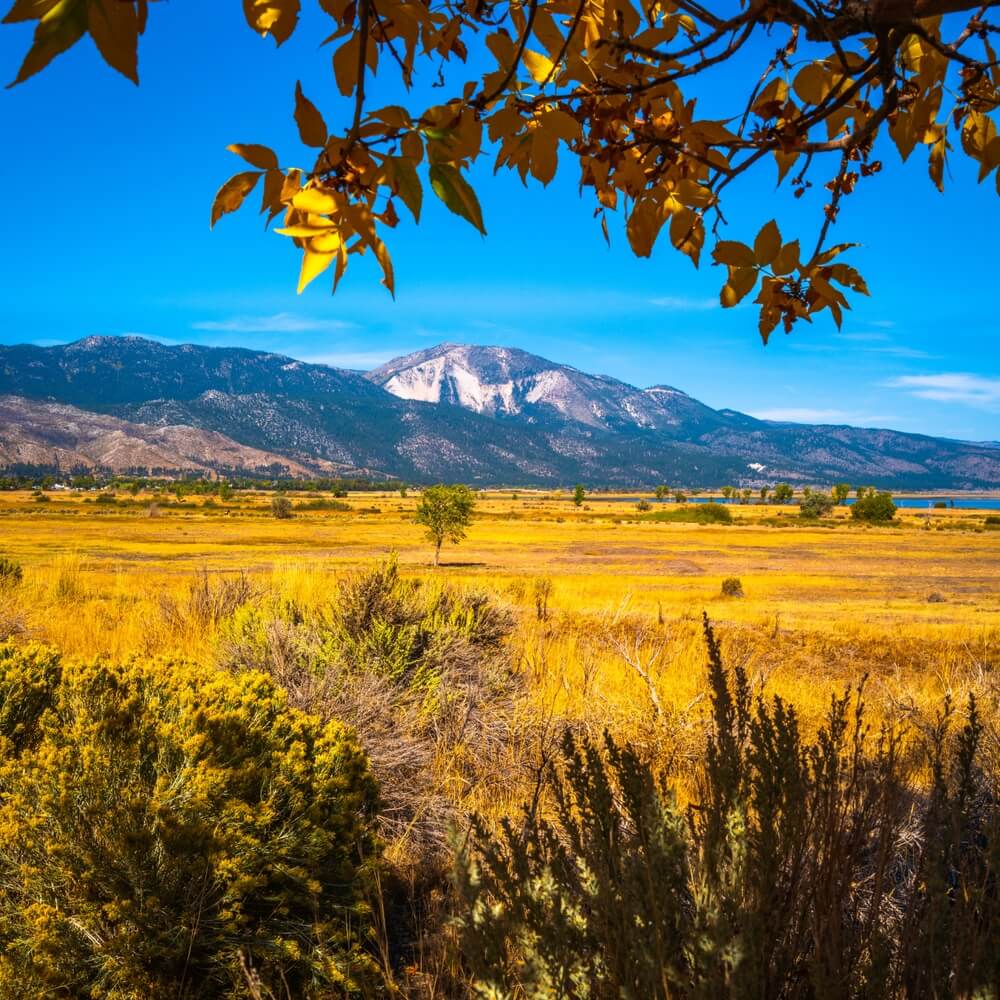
{"points": [[915, 605]]}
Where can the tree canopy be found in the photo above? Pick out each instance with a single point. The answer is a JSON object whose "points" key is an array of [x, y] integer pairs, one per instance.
{"points": [[832, 86], [446, 512]]}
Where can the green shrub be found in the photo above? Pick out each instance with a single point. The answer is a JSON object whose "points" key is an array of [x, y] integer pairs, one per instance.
{"points": [[696, 513], [281, 508], [323, 504], [167, 831], [11, 573], [802, 868], [732, 586], [992, 522], [816, 505], [874, 507]]}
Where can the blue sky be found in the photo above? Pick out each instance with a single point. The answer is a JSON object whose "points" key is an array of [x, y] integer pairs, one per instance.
{"points": [[108, 189]]}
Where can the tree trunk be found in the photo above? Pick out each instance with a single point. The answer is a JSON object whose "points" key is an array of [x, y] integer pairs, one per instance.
{"points": [[437, 554]]}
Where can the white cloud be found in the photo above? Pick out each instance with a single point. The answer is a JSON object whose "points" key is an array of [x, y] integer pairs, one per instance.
{"points": [[899, 352], [951, 387], [277, 323], [864, 336], [679, 303]]}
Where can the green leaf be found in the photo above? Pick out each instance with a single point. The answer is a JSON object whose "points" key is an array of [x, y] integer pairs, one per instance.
{"points": [[408, 183], [453, 189]]}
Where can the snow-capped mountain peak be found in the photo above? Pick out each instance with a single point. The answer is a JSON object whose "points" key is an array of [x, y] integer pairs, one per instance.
{"points": [[505, 381]]}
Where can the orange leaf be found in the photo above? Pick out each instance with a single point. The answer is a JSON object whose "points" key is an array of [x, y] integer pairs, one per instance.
{"points": [[312, 128], [232, 194]]}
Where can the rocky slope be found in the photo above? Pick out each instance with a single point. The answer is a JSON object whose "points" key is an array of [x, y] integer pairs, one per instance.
{"points": [[483, 415], [34, 433]]}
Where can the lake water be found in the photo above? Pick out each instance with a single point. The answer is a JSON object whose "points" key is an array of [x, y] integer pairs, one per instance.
{"points": [[922, 503]]}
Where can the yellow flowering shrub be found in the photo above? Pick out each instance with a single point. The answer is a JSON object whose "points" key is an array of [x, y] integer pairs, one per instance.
{"points": [[171, 831]]}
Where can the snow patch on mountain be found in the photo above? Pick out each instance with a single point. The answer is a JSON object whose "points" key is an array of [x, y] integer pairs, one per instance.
{"points": [[503, 381]]}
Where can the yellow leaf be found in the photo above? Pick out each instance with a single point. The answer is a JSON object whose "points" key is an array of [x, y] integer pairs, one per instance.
{"points": [[341, 266], [59, 30], [564, 125], [813, 83], [114, 26], [345, 65], [328, 242], [232, 194], [767, 244], [304, 232], [741, 281], [257, 156], [936, 163], [687, 233], [412, 147], [276, 18], [733, 253], [313, 265], [644, 225], [544, 155], [539, 66], [312, 128], [394, 116], [382, 256], [784, 161], [787, 259], [315, 201]]}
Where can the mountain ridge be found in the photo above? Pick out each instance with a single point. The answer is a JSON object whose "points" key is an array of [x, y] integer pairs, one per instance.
{"points": [[480, 414]]}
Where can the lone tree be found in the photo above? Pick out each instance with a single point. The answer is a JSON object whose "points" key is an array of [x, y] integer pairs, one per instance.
{"points": [[446, 512], [831, 87], [840, 492], [874, 507], [281, 508], [579, 495]]}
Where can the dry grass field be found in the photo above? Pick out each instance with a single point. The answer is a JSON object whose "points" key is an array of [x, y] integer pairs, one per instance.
{"points": [[461, 680], [833, 601]]}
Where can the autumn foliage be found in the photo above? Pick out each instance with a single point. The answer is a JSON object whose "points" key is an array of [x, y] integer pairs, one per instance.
{"points": [[615, 86]]}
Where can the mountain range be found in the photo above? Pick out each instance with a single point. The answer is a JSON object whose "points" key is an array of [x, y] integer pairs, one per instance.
{"points": [[483, 415]]}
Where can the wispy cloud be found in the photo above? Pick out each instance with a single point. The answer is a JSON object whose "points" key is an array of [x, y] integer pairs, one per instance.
{"points": [[814, 415], [282, 322], [900, 352], [951, 387], [865, 336], [681, 303]]}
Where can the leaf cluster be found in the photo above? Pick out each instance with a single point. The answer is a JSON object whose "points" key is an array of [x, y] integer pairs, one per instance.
{"points": [[613, 88]]}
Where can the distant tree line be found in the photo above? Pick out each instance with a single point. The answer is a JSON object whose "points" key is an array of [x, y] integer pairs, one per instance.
{"points": [[40, 477]]}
